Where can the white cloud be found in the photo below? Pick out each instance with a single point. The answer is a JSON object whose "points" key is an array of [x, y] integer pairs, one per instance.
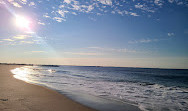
{"points": [[121, 50], [76, 7], [31, 4], [144, 7], [159, 2], [58, 19], [170, 34], [97, 7], [171, 1], [99, 51], [27, 42], [23, 1], [181, 3], [124, 12], [74, 13], [35, 52], [46, 15], [113, 12], [62, 13], [82, 8], [144, 41], [41, 23], [133, 14], [21, 36], [26, 38], [8, 40], [67, 1], [120, 12], [139, 6], [61, 6], [90, 8], [16, 4], [105, 2]]}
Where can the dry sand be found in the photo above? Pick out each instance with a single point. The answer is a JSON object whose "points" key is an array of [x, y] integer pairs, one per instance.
{"points": [[16, 95]]}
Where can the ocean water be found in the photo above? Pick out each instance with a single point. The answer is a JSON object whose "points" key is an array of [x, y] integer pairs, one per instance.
{"points": [[101, 87]]}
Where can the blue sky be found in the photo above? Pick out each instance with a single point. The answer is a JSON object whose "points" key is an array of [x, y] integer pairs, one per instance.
{"points": [[130, 33]]}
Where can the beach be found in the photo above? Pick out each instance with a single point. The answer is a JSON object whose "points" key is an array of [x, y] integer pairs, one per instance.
{"points": [[16, 95], [83, 88]]}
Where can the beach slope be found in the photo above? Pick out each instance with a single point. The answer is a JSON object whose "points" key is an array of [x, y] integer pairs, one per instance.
{"points": [[16, 95]]}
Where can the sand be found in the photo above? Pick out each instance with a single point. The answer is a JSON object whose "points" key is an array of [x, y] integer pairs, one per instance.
{"points": [[16, 95]]}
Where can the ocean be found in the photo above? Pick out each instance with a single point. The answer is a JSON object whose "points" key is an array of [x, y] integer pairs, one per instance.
{"points": [[112, 88]]}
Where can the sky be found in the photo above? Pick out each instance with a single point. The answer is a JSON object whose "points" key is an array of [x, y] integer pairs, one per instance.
{"points": [[126, 33]]}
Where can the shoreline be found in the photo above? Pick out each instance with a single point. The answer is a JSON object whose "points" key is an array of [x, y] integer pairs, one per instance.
{"points": [[58, 101], [17, 95]]}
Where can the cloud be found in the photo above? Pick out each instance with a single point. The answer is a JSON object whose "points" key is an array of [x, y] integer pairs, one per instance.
{"points": [[133, 14], [76, 7], [19, 39], [158, 2], [21, 36], [90, 8], [171, 1], [8, 40], [124, 12], [83, 53], [41, 23], [26, 42], [67, 1], [74, 13], [46, 15], [181, 3], [105, 2], [59, 11], [144, 7], [121, 50], [31, 4], [170, 34], [58, 19], [99, 51], [23, 1], [62, 13], [15, 4], [144, 41]]}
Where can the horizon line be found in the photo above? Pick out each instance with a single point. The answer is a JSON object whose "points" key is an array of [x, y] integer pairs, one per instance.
{"points": [[87, 66]]}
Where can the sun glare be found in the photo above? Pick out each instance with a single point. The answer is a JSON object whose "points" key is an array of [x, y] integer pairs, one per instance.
{"points": [[22, 22]]}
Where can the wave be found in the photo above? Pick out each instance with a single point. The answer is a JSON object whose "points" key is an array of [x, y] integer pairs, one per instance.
{"points": [[147, 96]]}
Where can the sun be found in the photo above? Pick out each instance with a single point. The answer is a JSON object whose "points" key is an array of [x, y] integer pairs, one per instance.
{"points": [[22, 22]]}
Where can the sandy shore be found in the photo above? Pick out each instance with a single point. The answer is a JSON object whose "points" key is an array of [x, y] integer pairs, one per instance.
{"points": [[16, 95]]}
